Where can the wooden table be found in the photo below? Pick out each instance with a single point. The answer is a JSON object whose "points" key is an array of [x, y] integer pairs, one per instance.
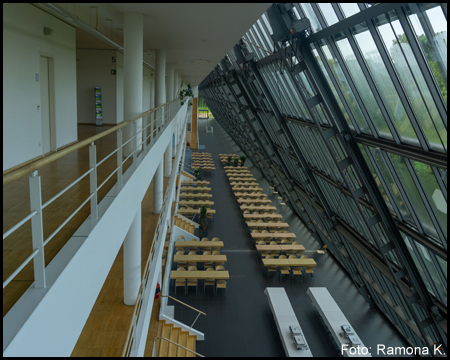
{"points": [[258, 207], [235, 167], [182, 243], [195, 202], [308, 263], [191, 182], [260, 236], [187, 188], [262, 216], [194, 211], [200, 274], [280, 247], [254, 201], [242, 195], [246, 183], [195, 195], [200, 258], [267, 224], [245, 188]]}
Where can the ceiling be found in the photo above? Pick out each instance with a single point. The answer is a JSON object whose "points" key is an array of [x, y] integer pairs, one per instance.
{"points": [[195, 36]]}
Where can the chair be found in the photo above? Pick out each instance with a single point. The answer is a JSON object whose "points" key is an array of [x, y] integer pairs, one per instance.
{"points": [[310, 272], [215, 239], [205, 239], [304, 257], [324, 248], [192, 252], [222, 284], [220, 268], [193, 248], [208, 265], [192, 282], [180, 282], [263, 253], [296, 271], [208, 281], [180, 252], [271, 268]]}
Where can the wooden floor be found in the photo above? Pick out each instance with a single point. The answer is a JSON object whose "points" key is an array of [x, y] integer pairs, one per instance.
{"points": [[110, 318]]}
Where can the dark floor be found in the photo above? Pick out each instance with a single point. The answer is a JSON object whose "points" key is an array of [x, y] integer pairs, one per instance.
{"points": [[241, 323]]}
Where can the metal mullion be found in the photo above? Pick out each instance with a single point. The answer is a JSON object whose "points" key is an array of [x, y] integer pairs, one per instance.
{"points": [[438, 176], [424, 268], [334, 51], [337, 11], [251, 37], [364, 68], [397, 85], [423, 64], [383, 182], [413, 173], [338, 89], [319, 16], [276, 85]]}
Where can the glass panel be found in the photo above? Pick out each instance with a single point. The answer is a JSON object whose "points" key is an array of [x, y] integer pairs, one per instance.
{"points": [[328, 13], [414, 84], [413, 195], [363, 88], [309, 12], [386, 87], [434, 193], [443, 265], [349, 9], [429, 268], [430, 27], [347, 92]]}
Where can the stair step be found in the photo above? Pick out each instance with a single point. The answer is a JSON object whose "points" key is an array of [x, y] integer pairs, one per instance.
{"points": [[173, 349], [164, 348], [191, 345], [191, 229], [182, 341], [158, 334]]}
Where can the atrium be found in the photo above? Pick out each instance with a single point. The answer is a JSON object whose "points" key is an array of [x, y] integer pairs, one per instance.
{"points": [[125, 132]]}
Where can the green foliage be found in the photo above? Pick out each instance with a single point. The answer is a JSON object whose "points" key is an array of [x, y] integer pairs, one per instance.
{"points": [[198, 173], [236, 160], [229, 159], [185, 93], [203, 218]]}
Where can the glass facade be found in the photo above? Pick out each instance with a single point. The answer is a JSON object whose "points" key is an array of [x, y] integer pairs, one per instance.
{"points": [[349, 122]]}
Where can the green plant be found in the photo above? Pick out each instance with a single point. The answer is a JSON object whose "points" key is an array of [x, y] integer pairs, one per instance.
{"points": [[198, 173], [236, 160], [203, 219], [185, 92], [243, 158], [229, 159]]}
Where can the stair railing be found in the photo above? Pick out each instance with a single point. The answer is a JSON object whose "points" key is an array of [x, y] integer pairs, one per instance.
{"points": [[181, 346], [190, 307]]}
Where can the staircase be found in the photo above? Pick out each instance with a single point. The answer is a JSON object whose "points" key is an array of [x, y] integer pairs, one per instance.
{"points": [[186, 174], [185, 223], [164, 348]]}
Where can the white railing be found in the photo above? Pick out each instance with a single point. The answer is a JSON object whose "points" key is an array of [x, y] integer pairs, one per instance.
{"points": [[139, 323], [140, 142]]}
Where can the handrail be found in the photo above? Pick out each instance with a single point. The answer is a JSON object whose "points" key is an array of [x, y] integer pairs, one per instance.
{"points": [[163, 338], [150, 256], [35, 165], [201, 312]]}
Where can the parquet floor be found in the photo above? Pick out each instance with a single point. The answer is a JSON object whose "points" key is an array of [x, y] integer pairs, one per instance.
{"points": [[54, 177]]}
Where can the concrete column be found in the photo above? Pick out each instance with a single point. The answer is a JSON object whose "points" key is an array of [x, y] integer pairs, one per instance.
{"points": [[170, 81], [132, 261], [158, 188], [176, 85], [132, 74], [195, 91], [168, 159], [152, 106], [160, 77]]}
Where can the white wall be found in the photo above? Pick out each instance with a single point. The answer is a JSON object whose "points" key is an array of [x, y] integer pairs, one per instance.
{"points": [[94, 69], [23, 43]]}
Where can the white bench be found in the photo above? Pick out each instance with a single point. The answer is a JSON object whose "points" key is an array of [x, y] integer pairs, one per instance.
{"points": [[284, 318], [334, 319]]}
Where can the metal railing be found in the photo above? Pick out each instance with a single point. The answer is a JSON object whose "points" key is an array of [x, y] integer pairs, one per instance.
{"points": [[140, 142], [181, 346], [190, 307], [132, 339]]}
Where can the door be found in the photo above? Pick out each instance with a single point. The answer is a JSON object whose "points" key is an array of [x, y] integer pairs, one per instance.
{"points": [[45, 104]]}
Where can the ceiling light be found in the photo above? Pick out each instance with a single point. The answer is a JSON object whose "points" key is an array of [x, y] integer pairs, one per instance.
{"points": [[200, 61]]}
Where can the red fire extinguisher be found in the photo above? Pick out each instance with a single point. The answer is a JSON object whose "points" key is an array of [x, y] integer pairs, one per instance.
{"points": [[158, 290]]}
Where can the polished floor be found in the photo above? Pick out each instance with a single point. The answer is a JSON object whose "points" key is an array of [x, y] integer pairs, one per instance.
{"points": [[241, 323]]}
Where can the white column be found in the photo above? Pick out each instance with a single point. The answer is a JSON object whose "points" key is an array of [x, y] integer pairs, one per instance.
{"points": [[177, 84], [160, 79], [132, 74], [170, 81], [158, 188], [152, 105], [195, 91], [168, 159], [132, 261]]}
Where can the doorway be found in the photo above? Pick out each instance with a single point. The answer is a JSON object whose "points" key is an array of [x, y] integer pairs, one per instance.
{"points": [[47, 104]]}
